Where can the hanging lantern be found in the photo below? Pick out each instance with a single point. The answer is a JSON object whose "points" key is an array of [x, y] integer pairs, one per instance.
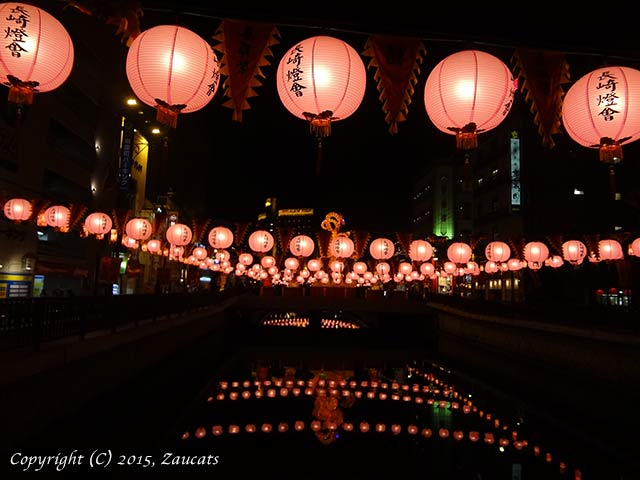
{"points": [[321, 79], [38, 54], [491, 267], [381, 249], [420, 251], [535, 253], [341, 247], [154, 246], [427, 269], [179, 235], [497, 252], [555, 261], [261, 241], [18, 209], [98, 224], [459, 252], [634, 248], [301, 246], [514, 264], [467, 93], [172, 69], [58, 217], [200, 253], [602, 110], [138, 228], [574, 251], [610, 250], [220, 237]]}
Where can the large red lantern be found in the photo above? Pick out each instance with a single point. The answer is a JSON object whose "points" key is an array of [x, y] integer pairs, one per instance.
{"points": [[138, 228], [321, 79], [172, 69], [58, 217], [574, 251], [634, 248], [459, 252], [98, 224], [220, 237], [420, 251], [179, 234], [610, 250], [261, 241], [535, 253], [341, 247], [602, 110], [301, 246], [467, 93], [382, 249], [497, 251], [38, 51], [18, 209]]}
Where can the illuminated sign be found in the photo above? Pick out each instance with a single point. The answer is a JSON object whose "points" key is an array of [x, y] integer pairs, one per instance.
{"points": [[515, 170], [295, 212]]}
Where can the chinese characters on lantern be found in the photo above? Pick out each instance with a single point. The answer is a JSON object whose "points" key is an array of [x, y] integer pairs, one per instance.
{"points": [[215, 77], [294, 75], [609, 99], [17, 35]]}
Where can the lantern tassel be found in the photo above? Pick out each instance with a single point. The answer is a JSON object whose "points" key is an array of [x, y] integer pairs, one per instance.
{"points": [[21, 92], [320, 124], [167, 114], [610, 151], [466, 137]]}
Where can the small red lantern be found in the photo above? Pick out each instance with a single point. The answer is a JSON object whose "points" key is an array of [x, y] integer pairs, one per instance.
{"points": [[301, 246], [610, 250], [172, 69], [261, 241], [420, 251], [535, 253], [459, 252], [382, 249], [467, 93], [58, 217], [179, 234], [98, 224], [341, 247], [18, 209], [497, 251], [154, 246], [574, 251], [220, 237], [634, 248], [200, 253], [38, 54]]}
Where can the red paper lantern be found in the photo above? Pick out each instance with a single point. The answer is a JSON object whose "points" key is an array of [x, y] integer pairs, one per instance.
{"points": [[172, 69], [574, 251], [497, 251], [341, 247], [200, 253], [459, 252], [301, 246], [58, 217], [154, 246], [555, 261], [179, 234], [535, 253], [98, 224], [610, 250], [420, 251], [38, 54], [381, 249], [634, 248], [220, 237], [321, 79], [602, 110], [138, 228], [467, 93], [261, 241], [18, 209]]}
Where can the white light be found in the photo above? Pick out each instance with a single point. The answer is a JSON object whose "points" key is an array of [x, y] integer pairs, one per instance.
{"points": [[205, 279], [40, 233], [577, 191]]}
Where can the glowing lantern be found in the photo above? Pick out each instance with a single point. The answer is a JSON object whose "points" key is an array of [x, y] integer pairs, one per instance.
{"points": [[450, 267], [245, 259], [220, 237], [574, 251], [138, 228], [555, 261], [381, 249], [360, 267], [301, 246], [514, 264], [497, 252], [341, 247], [420, 251], [129, 242], [18, 209], [472, 268], [38, 54], [179, 234], [459, 252], [405, 268], [154, 246], [467, 93], [602, 110], [634, 248], [267, 261], [58, 217], [535, 253], [610, 250], [321, 79], [291, 263], [200, 253], [490, 267], [427, 269], [261, 241], [98, 224]]}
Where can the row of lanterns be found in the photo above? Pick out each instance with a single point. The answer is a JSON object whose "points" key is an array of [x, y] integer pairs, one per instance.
{"points": [[341, 246], [321, 79]]}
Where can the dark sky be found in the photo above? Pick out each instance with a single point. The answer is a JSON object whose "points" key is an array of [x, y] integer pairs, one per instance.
{"points": [[228, 168]]}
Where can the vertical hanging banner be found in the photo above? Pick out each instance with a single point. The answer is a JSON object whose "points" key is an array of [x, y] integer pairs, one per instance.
{"points": [[126, 155], [397, 60], [543, 74], [244, 47]]}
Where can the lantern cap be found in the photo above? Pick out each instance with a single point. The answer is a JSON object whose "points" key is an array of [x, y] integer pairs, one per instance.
{"points": [[21, 92]]}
